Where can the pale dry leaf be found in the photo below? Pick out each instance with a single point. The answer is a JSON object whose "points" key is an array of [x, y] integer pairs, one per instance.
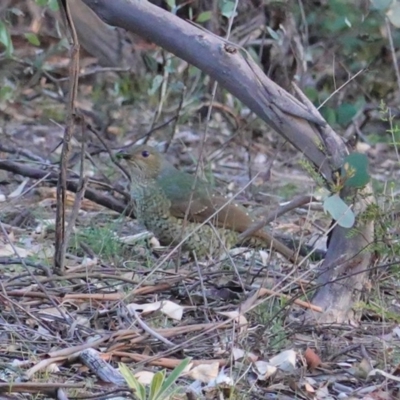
{"points": [[309, 388], [144, 308], [17, 192], [42, 250], [236, 316], [263, 370], [237, 353], [264, 255], [172, 310], [144, 377], [154, 242], [89, 262], [285, 361], [222, 380], [6, 250], [396, 331], [169, 308], [53, 368], [205, 372]]}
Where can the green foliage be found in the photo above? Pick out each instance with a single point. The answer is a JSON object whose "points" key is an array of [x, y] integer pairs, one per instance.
{"points": [[161, 386], [32, 39], [52, 4], [204, 16], [101, 240], [5, 39], [355, 170], [227, 8]]}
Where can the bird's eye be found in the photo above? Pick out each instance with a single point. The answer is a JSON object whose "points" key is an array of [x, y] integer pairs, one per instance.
{"points": [[145, 153]]}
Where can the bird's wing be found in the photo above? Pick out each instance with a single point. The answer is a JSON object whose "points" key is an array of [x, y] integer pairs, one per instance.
{"points": [[217, 209], [194, 209]]}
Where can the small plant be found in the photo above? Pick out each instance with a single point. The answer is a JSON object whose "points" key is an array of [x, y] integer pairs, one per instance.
{"points": [[160, 387]]}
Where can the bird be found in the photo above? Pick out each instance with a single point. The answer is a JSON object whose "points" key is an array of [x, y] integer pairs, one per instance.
{"points": [[175, 205]]}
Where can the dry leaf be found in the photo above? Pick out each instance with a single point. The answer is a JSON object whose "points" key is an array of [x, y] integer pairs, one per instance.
{"points": [[285, 361], [312, 359], [144, 377], [205, 372], [169, 308], [264, 370]]}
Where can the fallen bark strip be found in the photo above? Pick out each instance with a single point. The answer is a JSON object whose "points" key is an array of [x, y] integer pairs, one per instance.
{"points": [[29, 387], [72, 185]]}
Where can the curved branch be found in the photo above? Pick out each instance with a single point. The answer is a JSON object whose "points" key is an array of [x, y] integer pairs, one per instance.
{"points": [[230, 65]]}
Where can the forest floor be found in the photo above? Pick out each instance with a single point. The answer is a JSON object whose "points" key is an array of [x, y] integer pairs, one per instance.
{"points": [[123, 295]]}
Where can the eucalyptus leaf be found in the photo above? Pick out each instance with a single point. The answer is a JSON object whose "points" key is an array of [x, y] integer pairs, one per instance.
{"points": [[32, 38], [157, 81], [204, 16], [5, 39], [355, 170], [380, 4], [339, 211], [394, 14]]}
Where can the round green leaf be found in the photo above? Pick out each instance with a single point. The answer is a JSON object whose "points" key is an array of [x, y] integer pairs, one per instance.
{"points": [[345, 113], [394, 14], [355, 170], [32, 38], [339, 211], [204, 16], [380, 4]]}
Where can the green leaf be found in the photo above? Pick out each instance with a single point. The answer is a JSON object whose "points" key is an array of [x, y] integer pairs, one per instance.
{"points": [[16, 11], [380, 4], [311, 93], [273, 34], [5, 39], [53, 5], [355, 170], [174, 375], [228, 9], [171, 4], [345, 113], [339, 211], [204, 16], [6, 92], [156, 385], [41, 3], [157, 81], [132, 382], [32, 39], [329, 114], [394, 14]]}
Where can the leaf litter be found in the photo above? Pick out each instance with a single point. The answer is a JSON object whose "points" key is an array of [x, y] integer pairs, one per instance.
{"points": [[117, 304]]}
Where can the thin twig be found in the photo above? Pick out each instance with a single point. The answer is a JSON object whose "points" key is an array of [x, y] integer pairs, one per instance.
{"points": [[146, 328], [296, 202], [393, 51], [60, 239]]}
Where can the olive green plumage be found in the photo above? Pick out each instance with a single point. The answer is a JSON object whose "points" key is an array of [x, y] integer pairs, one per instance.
{"points": [[164, 196]]}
